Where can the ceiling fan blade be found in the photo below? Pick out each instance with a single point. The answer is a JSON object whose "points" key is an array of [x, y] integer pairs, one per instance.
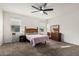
{"points": [[47, 9], [45, 4], [35, 11], [35, 7], [45, 12]]}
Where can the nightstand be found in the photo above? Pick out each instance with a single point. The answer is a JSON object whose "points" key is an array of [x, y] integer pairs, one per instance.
{"points": [[49, 35], [22, 38]]}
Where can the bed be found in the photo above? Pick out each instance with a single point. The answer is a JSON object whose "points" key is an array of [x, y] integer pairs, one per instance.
{"points": [[35, 38]]}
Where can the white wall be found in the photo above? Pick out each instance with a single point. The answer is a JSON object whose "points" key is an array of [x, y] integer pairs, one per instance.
{"points": [[1, 27], [25, 21], [69, 26]]}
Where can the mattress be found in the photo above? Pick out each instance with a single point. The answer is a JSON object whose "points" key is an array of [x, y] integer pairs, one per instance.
{"points": [[34, 39]]}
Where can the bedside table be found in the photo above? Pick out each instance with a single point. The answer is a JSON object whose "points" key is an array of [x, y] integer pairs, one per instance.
{"points": [[22, 38]]}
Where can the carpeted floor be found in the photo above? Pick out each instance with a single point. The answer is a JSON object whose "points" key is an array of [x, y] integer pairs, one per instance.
{"points": [[52, 48]]}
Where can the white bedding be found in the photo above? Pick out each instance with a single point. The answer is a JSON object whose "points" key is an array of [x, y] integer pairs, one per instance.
{"points": [[34, 39]]}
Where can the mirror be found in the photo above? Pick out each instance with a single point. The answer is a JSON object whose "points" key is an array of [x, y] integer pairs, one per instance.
{"points": [[54, 28]]}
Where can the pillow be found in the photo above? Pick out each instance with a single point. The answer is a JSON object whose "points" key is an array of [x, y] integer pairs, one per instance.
{"points": [[34, 33]]}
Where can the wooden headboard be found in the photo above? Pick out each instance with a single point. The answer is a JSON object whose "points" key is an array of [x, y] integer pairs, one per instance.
{"points": [[31, 30]]}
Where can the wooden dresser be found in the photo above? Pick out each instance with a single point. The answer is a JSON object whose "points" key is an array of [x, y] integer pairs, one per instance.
{"points": [[56, 36], [55, 33]]}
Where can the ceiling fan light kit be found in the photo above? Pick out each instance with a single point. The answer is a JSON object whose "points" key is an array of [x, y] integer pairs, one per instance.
{"points": [[41, 12]]}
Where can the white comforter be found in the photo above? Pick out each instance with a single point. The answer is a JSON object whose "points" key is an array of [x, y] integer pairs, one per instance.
{"points": [[34, 39]]}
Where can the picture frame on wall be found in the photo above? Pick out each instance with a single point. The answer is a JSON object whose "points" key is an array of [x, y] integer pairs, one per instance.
{"points": [[15, 28]]}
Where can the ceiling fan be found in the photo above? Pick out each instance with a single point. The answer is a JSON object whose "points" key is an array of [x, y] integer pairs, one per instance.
{"points": [[42, 8]]}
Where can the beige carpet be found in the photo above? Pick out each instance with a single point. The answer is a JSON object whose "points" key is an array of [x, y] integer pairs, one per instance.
{"points": [[52, 48]]}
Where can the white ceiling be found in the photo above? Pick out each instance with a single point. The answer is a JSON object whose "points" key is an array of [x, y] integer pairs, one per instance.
{"points": [[26, 9]]}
